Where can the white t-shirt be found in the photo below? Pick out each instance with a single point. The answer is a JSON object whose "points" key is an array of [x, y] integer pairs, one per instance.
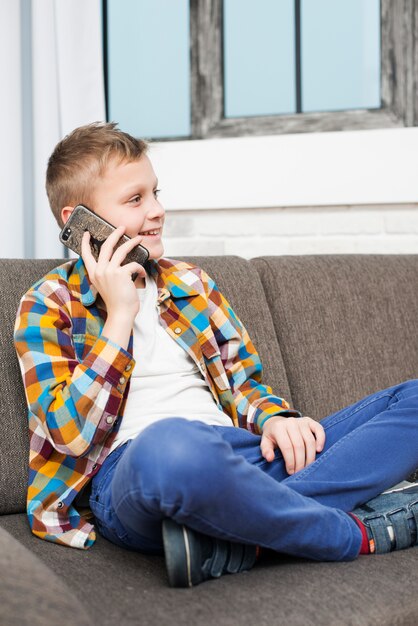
{"points": [[165, 382]]}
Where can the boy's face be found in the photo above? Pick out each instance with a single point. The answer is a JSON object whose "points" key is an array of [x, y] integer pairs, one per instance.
{"points": [[126, 195]]}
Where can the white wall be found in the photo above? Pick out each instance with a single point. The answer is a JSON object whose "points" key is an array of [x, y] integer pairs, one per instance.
{"points": [[308, 169], [340, 192], [293, 230]]}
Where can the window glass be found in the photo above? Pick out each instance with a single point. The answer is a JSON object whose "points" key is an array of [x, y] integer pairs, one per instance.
{"points": [[149, 66], [340, 54], [259, 57]]}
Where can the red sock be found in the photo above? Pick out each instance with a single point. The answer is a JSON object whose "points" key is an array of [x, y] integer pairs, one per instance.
{"points": [[367, 545]]}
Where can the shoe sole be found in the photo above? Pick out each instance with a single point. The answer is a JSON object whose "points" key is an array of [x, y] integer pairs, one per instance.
{"points": [[177, 554], [405, 485]]}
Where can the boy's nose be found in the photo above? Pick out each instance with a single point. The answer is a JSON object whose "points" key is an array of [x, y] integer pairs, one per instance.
{"points": [[155, 209]]}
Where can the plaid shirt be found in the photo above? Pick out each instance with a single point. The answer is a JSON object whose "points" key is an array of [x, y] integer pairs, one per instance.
{"points": [[77, 381]]}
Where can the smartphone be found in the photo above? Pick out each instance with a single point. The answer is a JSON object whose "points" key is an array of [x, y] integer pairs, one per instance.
{"points": [[82, 219]]}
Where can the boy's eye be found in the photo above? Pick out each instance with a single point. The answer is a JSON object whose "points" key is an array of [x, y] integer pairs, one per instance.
{"points": [[157, 192], [136, 198]]}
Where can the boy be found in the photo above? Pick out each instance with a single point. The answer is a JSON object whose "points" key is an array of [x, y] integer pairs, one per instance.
{"points": [[146, 405]]}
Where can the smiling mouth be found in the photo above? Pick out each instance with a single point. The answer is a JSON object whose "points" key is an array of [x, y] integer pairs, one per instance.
{"points": [[150, 233]]}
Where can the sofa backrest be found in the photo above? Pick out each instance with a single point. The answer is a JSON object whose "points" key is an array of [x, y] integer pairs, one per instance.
{"points": [[16, 276], [347, 325], [236, 278]]}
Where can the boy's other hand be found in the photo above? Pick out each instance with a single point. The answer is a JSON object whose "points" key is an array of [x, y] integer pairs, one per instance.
{"points": [[113, 280], [298, 438]]}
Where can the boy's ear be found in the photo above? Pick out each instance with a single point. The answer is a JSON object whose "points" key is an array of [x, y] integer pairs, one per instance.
{"points": [[66, 212]]}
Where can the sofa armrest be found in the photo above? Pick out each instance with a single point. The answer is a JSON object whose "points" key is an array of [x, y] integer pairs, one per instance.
{"points": [[30, 593]]}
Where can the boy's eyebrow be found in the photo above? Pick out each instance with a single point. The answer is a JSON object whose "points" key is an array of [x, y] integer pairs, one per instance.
{"points": [[135, 186]]}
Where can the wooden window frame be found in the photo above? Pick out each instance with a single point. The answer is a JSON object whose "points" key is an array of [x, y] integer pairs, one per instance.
{"points": [[399, 78]]}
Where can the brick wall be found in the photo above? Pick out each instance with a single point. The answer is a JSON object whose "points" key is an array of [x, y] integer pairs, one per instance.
{"points": [[269, 231]]}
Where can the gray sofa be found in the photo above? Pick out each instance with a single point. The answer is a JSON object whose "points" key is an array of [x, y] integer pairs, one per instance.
{"points": [[329, 329]]}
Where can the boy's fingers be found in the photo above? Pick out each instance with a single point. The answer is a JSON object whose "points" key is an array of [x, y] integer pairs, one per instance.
{"points": [[106, 249], [299, 446], [319, 432], [86, 254], [267, 448], [310, 445], [286, 448], [298, 441], [135, 268], [120, 253]]}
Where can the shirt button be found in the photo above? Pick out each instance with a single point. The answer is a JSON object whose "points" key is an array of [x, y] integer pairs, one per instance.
{"points": [[60, 505], [177, 330], [127, 368], [109, 419], [94, 467], [121, 380]]}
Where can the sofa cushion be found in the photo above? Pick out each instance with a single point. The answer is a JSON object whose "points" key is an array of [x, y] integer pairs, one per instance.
{"points": [[235, 277], [347, 326], [119, 586]]}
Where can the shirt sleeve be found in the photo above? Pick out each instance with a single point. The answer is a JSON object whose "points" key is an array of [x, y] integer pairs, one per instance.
{"points": [[255, 401], [74, 403]]}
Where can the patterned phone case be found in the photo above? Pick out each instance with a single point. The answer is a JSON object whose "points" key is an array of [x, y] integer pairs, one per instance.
{"points": [[82, 219]]}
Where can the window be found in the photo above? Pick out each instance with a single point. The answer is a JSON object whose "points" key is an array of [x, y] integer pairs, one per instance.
{"points": [[148, 66], [213, 68], [297, 57]]}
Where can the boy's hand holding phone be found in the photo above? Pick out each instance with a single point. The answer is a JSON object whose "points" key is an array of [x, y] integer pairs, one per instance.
{"points": [[114, 283]]}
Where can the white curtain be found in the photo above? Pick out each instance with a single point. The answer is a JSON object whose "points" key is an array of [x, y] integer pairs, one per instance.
{"points": [[64, 70], [11, 191]]}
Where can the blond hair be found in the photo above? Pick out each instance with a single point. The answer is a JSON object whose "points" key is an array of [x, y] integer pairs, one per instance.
{"points": [[80, 160]]}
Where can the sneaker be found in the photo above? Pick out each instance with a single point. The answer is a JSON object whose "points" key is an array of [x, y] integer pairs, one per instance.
{"points": [[391, 519], [192, 557]]}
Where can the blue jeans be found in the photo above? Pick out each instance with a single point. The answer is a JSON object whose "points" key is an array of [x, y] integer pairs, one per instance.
{"points": [[215, 480]]}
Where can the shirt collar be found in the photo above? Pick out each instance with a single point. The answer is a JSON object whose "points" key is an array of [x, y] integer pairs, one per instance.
{"points": [[80, 284], [171, 282]]}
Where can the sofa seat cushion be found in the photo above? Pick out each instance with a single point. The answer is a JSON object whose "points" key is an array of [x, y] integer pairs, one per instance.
{"points": [[122, 587]]}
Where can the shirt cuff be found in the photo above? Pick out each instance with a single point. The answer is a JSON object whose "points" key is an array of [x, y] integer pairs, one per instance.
{"points": [[263, 418], [290, 413], [110, 361]]}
